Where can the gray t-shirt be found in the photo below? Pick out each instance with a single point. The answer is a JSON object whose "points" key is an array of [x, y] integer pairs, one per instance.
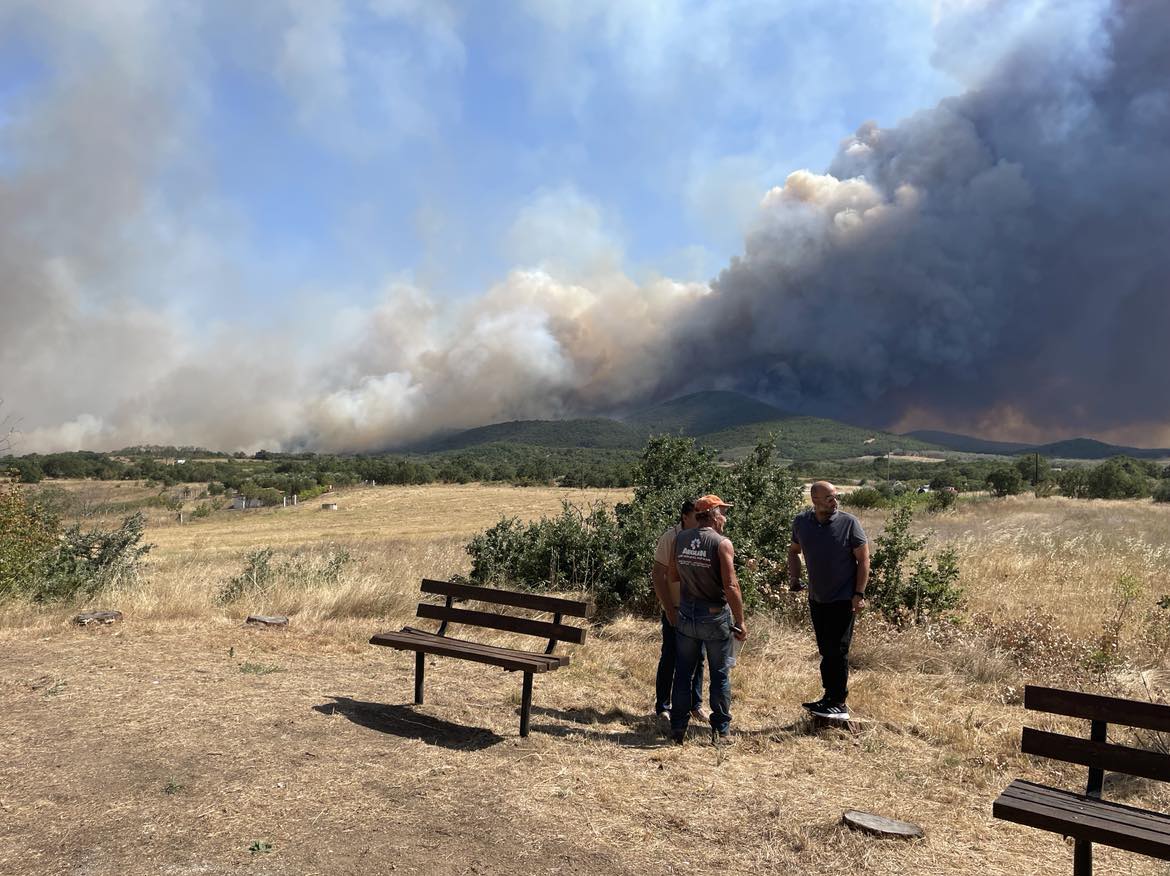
{"points": [[696, 554], [828, 553]]}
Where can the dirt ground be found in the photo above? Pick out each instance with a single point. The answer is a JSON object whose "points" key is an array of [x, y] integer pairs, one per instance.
{"points": [[214, 748]]}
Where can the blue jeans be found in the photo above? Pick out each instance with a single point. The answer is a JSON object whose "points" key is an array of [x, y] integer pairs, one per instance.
{"points": [[664, 683], [699, 630]]}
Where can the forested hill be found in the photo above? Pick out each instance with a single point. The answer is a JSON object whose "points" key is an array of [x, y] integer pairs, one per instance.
{"points": [[592, 433], [704, 413]]}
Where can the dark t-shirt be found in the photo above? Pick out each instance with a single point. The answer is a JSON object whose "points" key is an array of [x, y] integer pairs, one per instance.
{"points": [[696, 554], [828, 553]]}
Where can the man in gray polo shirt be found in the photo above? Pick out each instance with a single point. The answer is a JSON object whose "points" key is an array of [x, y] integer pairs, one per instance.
{"points": [[836, 553]]}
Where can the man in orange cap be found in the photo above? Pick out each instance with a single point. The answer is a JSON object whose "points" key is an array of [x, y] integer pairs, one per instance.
{"points": [[710, 612]]}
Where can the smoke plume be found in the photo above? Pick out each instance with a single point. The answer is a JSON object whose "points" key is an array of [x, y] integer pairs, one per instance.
{"points": [[997, 263]]}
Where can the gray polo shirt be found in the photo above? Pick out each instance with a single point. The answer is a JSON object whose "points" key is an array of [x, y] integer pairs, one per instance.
{"points": [[828, 553]]}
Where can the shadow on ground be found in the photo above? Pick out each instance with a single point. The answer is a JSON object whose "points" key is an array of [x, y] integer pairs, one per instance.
{"points": [[646, 731], [408, 723]]}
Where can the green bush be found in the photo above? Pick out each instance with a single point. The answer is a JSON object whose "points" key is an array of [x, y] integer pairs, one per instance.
{"points": [[1005, 481], [865, 499], [42, 562], [28, 535], [263, 570], [905, 585], [940, 500], [1074, 483], [1118, 478], [610, 554], [88, 562], [1162, 492]]}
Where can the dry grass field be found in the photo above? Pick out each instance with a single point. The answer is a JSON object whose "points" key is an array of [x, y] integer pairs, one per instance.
{"points": [[181, 742]]}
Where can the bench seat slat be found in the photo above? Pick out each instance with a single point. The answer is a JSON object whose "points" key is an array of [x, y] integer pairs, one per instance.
{"points": [[1081, 803], [551, 604], [491, 620], [446, 646], [1094, 707], [426, 635], [1103, 755], [410, 637], [1085, 818]]}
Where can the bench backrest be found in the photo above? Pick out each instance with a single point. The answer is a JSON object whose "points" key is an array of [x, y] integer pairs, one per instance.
{"points": [[1096, 752], [555, 631]]}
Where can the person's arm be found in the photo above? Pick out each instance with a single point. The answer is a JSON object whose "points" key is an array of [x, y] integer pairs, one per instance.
{"points": [[731, 589], [861, 554], [794, 566], [668, 605], [659, 575]]}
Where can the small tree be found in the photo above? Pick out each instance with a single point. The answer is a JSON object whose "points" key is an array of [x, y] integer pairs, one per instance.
{"points": [[904, 586], [1118, 478], [1034, 469], [1005, 481], [1074, 483]]}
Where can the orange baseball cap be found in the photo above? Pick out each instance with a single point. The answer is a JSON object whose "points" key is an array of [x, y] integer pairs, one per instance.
{"points": [[706, 503]]}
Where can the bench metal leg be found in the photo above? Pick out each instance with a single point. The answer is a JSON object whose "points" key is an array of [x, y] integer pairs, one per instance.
{"points": [[1082, 858], [419, 673], [526, 703]]}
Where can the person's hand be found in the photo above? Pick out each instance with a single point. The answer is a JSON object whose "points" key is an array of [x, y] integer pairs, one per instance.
{"points": [[858, 602], [740, 633], [672, 616]]}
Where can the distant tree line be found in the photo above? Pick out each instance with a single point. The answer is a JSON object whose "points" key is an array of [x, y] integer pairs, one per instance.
{"points": [[307, 473]]}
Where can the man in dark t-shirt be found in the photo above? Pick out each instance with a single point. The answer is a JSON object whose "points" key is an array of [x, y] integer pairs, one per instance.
{"points": [[836, 553]]}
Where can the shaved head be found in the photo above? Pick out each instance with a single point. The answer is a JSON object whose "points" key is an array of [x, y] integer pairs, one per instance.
{"points": [[820, 488]]}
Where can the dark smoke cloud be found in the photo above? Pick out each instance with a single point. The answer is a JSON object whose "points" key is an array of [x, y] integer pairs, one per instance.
{"points": [[997, 263]]}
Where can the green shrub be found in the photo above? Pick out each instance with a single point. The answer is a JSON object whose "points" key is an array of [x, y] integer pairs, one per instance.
{"points": [[1118, 478], [610, 554], [1162, 492], [905, 585], [28, 534], [865, 499], [263, 570], [42, 562], [1074, 483], [1005, 481], [940, 500], [87, 562]]}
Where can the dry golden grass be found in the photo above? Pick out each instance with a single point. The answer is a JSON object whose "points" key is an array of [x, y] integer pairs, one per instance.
{"points": [[171, 743]]}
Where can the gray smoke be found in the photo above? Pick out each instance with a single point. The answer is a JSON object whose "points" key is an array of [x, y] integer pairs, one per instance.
{"points": [[997, 263]]}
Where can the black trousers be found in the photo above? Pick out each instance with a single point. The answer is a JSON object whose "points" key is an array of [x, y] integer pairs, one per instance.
{"points": [[833, 625]]}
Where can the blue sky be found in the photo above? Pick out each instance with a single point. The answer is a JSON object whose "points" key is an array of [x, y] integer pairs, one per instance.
{"points": [[362, 140]]}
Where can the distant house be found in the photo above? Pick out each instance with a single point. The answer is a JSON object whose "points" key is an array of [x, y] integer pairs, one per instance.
{"points": [[239, 503]]}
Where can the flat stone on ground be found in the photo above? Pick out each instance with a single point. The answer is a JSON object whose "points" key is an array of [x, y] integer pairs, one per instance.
{"points": [[261, 620], [879, 825], [101, 616]]}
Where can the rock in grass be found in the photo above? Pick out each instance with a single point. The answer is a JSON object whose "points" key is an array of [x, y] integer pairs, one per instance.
{"points": [[101, 616], [262, 620], [879, 825]]}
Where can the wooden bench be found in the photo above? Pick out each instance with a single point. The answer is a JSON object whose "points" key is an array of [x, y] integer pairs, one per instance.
{"points": [[510, 659], [1086, 817]]}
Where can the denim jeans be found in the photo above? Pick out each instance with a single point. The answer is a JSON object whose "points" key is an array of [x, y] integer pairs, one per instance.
{"points": [[701, 630], [664, 683]]}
